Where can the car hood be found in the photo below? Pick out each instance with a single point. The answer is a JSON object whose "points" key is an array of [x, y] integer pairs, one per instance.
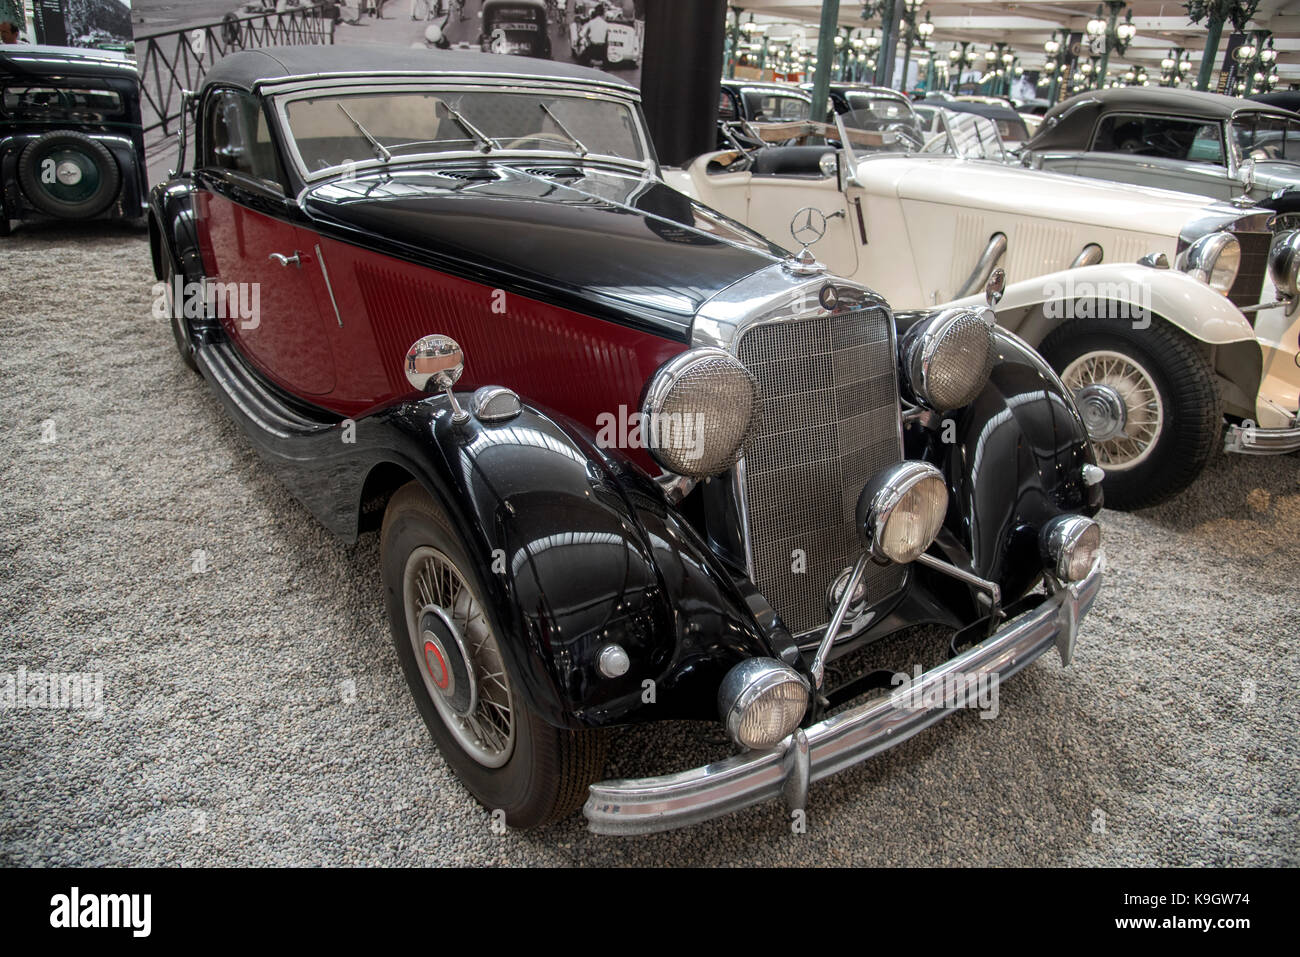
{"points": [[1276, 175], [1050, 196], [610, 244]]}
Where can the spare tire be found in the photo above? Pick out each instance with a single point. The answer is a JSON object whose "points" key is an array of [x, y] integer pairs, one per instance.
{"points": [[69, 175]]}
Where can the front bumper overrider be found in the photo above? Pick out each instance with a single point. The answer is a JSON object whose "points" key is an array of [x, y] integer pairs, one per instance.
{"points": [[648, 805]]}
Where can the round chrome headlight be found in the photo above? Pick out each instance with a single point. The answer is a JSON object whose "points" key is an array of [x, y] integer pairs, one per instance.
{"points": [[1214, 260], [829, 164], [901, 511], [1071, 544], [698, 410], [947, 359], [1284, 263], [761, 701]]}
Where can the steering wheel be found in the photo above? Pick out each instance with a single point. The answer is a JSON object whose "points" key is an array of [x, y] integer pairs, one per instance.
{"points": [[540, 137]]}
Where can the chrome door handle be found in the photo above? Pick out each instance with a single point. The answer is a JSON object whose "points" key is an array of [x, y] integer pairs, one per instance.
{"points": [[284, 260]]}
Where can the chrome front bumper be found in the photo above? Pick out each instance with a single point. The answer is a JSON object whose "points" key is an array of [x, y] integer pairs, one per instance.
{"points": [[1250, 440], [647, 805]]}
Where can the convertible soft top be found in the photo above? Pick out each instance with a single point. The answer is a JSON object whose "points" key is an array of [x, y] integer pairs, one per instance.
{"points": [[270, 64], [1069, 124]]}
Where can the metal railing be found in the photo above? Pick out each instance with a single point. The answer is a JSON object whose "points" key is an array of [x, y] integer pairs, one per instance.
{"points": [[171, 62]]}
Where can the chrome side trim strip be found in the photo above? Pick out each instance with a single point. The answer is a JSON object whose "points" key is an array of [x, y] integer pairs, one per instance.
{"points": [[649, 805], [329, 287]]}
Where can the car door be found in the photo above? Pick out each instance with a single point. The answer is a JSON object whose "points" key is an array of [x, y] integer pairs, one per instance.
{"points": [[1165, 152], [262, 257]]}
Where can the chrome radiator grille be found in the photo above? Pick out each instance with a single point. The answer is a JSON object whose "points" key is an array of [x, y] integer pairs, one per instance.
{"points": [[829, 422]]}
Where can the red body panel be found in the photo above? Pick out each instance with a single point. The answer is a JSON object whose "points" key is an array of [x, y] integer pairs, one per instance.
{"points": [[554, 358]]}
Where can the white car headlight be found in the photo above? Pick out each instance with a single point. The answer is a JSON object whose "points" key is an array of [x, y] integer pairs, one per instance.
{"points": [[901, 511], [761, 701], [1284, 263], [699, 408], [1213, 259], [948, 358]]}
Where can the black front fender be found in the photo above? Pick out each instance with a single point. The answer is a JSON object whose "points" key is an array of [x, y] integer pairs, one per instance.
{"points": [[578, 549], [1013, 460]]}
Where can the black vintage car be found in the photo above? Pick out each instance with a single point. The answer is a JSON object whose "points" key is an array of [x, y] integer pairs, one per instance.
{"points": [[741, 102], [517, 27], [71, 146], [628, 461]]}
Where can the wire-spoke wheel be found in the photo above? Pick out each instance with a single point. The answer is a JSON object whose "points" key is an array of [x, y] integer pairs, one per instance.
{"points": [[461, 664], [1120, 405], [1148, 398], [475, 691]]}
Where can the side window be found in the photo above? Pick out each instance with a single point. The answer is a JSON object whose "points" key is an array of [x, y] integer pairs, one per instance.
{"points": [[239, 140], [726, 106], [1160, 136]]}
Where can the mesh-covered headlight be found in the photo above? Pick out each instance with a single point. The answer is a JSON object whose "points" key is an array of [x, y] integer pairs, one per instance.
{"points": [[761, 701], [947, 359], [1213, 259], [1071, 544], [1284, 263], [901, 510], [698, 410]]}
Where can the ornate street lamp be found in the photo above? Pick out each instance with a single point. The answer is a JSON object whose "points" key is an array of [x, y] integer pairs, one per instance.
{"points": [[911, 10], [1109, 34], [1215, 13]]}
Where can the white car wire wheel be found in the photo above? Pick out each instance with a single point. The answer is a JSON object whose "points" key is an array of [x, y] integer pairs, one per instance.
{"points": [[464, 685], [1148, 398]]}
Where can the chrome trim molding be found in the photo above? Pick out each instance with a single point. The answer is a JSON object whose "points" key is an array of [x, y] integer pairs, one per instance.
{"points": [[1249, 440], [650, 805], [329, 287]]}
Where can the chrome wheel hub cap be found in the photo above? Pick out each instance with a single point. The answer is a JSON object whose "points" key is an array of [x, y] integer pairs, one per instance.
{"points": [[1120, 405], [1103, 411], [69, 174], [458, 657]]}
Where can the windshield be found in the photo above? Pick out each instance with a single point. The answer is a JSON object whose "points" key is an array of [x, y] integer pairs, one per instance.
{"points": [[881, 111], [955, 134], [48, 102], [338, 129], [972, 137], [1260, 136], [762, 105]]}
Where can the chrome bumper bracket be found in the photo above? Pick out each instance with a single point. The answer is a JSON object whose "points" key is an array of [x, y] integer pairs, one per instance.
{"points": [[798, 769]]}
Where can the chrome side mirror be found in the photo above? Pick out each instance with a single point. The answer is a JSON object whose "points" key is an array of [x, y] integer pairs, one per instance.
{"points": [[435, 364]]}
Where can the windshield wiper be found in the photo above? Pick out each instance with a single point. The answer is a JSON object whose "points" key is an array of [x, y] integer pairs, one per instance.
{"points": [[488, 144], [582, 150], [380, 150]]}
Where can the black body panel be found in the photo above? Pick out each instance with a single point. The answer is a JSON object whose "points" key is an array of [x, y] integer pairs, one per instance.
{"points": [[606, 243]]}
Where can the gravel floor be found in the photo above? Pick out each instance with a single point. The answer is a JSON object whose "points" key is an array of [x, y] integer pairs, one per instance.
{"points": [[255, 713]]}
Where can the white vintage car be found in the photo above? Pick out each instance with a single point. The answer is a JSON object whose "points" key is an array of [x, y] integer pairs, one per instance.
{"points": [[1161, 311]]}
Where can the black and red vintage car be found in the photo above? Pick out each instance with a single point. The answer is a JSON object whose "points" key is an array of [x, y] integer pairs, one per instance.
{"points": [[628, 460]]}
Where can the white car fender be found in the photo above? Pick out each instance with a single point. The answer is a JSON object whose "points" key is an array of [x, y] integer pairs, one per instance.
{"points": [[1033, 307]]}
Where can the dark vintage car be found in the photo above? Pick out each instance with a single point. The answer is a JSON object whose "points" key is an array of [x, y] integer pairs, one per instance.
{"points": [[628, 461], [1223, 147], [71, 147], [741, 102], [518, 27]]}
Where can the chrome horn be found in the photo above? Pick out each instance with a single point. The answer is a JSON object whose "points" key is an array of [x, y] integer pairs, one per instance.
{"points": [[434, 364]]}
